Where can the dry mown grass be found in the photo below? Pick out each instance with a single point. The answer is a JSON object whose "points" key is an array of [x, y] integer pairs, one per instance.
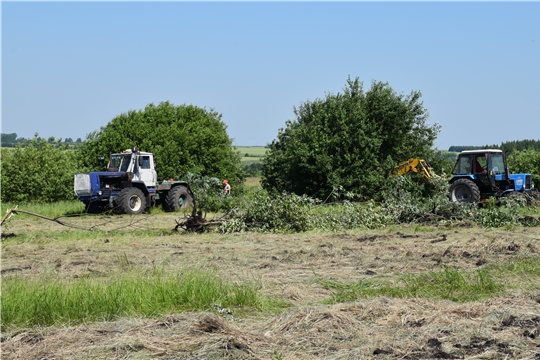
{"points": [[288, 267]]}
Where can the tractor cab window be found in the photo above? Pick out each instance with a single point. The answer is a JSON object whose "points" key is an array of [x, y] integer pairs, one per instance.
{"points": [[126, 161], [497, 163], [463, 166], [145, 162], [480, 164], [121, 161], [116, 161]]}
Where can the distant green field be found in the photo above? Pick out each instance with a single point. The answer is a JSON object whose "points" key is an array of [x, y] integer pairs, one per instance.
{"points": [[251, 154], [252, 150]]}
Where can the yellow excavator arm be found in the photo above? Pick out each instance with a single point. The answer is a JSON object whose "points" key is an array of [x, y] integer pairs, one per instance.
{"points": [[417, 166]]}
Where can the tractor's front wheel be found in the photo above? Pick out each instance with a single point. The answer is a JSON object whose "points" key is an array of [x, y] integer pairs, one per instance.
{"points": [[464, 191], [179, 197], [528, 198], [131, 200]]}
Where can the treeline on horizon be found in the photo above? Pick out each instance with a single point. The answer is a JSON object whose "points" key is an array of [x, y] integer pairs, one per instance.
{"points": [[12, 140], [508, 147]]}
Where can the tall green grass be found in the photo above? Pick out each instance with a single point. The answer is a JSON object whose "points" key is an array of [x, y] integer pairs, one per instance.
{"points": [[524, 269], [47, 301], [52, 210], [449, 284]]}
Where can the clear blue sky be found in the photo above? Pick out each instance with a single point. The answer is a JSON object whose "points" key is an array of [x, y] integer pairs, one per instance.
{"points": [[68, 68]]}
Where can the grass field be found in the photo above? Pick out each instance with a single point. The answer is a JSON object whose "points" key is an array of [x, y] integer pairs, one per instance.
{"points": [[134, 289], [246, 160], [251, 154], [259, 151], [252, 182]]}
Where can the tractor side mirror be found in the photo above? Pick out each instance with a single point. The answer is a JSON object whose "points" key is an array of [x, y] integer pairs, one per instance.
{"points": [[140, 161]]}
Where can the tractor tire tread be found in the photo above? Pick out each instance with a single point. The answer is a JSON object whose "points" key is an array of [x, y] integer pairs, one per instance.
{"points": [[124, 198], [171, 202], [473, 188]]}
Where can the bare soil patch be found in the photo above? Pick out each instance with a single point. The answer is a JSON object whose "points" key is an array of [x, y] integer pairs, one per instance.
{"points": [[288, 267]]}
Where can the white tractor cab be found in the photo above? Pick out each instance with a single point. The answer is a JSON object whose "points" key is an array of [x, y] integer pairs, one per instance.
{"points": [[140, 163]]}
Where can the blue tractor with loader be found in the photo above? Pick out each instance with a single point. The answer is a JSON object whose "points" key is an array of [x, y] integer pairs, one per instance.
{"points": [[481, 174]]}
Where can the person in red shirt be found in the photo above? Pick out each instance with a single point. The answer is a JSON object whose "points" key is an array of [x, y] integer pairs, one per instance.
{"points": [[227, 188], [478, 161]]}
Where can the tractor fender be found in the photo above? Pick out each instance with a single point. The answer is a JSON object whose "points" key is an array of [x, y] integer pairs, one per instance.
{"points": [[181, 183], [138, 184], [457, 177], [166, 187]]}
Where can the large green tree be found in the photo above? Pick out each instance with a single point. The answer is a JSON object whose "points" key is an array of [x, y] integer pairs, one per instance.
{"points": [[42, 171], [350, 139], [185, 139]]}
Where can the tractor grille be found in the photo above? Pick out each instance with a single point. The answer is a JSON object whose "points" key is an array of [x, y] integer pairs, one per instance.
{"points": [[528, 182], [82, 185]]}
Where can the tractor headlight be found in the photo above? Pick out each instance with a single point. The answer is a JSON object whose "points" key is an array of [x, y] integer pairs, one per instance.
{"points": [[100, 192]]}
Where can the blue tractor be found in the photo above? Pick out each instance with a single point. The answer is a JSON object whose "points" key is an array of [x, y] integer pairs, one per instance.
{"points": [[481, 174]]}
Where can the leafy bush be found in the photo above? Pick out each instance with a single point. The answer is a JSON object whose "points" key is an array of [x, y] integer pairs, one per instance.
{"points": [[40, 172], [285, 212], [406, 202], [500, 214], [349, 139], [527, 161], [184, 138], [253, 169], [351, 215], [273, 213], [209, 193]]}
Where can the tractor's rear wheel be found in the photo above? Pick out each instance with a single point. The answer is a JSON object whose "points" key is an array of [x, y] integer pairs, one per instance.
{"points": [[464, 191], [179, 197], [131, 200]]}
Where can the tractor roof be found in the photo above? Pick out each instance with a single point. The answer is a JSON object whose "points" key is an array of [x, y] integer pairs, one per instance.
{"points": [[482, 151], [128, 151]]}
